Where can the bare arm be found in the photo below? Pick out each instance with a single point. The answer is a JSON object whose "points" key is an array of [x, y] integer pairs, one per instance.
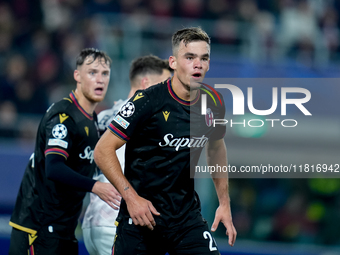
{"points": [[217, 155], [105, 156]]}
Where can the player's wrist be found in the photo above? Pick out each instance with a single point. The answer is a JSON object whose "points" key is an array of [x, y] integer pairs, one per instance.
{"points": [[129, 194], [95, 187]]}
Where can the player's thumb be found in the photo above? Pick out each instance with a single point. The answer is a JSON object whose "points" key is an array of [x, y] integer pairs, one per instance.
{"points": [[153, 209], [214, 225]]}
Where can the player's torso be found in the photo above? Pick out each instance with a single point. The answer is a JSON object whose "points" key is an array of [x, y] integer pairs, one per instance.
{"points": [[66, 131], [175, 131], [73, 132]]}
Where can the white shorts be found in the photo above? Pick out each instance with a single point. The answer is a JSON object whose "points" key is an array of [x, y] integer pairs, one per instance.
{"points": [[99, 240]]}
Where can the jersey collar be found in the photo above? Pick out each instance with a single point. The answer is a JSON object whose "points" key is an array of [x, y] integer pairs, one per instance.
{"points": [[180, 100], [75, 101]]}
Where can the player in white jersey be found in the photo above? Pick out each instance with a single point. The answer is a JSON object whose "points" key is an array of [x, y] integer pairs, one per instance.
{"points": [[98, 225]]}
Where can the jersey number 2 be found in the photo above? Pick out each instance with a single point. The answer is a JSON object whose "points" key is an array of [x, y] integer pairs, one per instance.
{"points": [[207, 235]]}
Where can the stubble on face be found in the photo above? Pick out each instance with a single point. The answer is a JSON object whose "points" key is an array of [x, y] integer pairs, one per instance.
{"points": [[94, 90]]}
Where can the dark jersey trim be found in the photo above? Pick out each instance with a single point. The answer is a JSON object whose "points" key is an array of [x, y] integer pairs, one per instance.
{"points": [[180, 100], [118, 133], [74, 99], [57, 151]]}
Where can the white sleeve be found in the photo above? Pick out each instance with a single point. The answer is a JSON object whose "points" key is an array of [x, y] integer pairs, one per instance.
{"points": [[105, 117]]}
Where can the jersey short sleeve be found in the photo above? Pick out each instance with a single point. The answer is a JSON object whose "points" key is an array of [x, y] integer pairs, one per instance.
{"points": [[132, 114], [59, 135], [217, 112]]}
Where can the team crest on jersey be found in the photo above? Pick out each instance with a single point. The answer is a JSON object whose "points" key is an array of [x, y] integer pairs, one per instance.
{"points": [[209, 117], [127, 110], [138, 96], [59, 131]]}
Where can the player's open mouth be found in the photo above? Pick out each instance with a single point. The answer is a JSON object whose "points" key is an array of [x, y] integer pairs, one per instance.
{"points": [[99, 91], [196, 75]]}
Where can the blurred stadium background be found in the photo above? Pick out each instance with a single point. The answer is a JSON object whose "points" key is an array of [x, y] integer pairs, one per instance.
{"points": [[39, 40]]}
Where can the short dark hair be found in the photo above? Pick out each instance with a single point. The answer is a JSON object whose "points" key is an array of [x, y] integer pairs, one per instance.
{"points": [[95, 53], [188, 35], [149, 64]]}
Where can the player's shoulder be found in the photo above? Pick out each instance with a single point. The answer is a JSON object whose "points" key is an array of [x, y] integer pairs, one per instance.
{"points": [[158, 88], [60, 106], [212, 93], [151, 98], [64, 109], [206, 88], [153, 93]]}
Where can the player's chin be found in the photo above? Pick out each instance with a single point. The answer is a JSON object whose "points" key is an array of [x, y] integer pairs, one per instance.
{"points": [[97, 98], [195, 83]]}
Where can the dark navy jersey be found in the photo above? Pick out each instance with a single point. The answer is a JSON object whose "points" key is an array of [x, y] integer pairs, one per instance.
{"points": [[165, 136], [67, 130]]}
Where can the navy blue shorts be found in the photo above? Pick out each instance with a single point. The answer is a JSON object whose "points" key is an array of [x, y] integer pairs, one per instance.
{"points": [[193, 237]]}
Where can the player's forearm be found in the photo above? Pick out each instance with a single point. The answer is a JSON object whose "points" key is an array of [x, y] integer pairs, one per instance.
{"points": [[222, 191], [217, 155], [114, 174], [109, 165], [106, 159], [57, 170]]}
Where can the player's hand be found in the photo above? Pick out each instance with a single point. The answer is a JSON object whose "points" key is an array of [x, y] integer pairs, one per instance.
{"points": [[223, 214], [108, 193], [141, 212]]}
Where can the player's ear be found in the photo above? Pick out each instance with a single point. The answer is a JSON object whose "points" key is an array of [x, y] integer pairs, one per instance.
{"points": [[172, 62], [145, 83], [76, 75]]}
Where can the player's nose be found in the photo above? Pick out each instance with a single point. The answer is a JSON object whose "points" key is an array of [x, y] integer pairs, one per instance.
{"points": [[100, 78], [197, 63]]}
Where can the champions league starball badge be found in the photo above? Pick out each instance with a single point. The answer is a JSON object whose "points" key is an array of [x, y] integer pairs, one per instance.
{"points": [[127, 110], [59, 131]]}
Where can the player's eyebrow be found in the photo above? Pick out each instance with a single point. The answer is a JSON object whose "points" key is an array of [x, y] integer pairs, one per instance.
{"points": [[189, 54], [206, 55], [93, 70]]}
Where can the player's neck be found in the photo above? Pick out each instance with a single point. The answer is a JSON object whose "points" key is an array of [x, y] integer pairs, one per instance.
{"points": [[132, 92], [86, 104], [182, 90]]}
